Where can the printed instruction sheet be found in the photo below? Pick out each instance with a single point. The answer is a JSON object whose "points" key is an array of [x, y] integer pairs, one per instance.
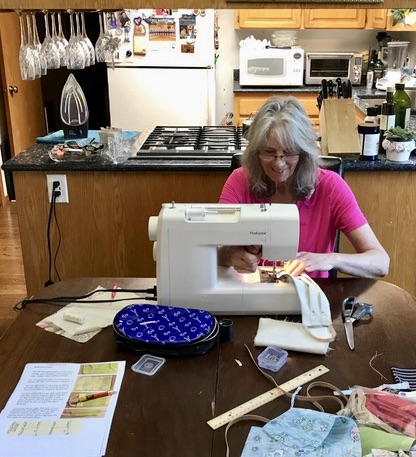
{"points": [[63, 409]]}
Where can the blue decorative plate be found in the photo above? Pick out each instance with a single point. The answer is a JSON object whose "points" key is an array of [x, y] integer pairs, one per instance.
{"points": [[160, 324]]}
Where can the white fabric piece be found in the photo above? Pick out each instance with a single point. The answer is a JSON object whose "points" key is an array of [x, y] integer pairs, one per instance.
{"points": [[291, 336], [94, 316], [315, 308], [314, 333]]}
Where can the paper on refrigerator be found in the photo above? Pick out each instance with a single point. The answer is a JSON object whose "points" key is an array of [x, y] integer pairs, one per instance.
{"points": [[42, 419]]}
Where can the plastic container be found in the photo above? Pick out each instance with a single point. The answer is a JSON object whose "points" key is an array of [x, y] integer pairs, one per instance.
{"points": [[369, 135], [272, 358]]}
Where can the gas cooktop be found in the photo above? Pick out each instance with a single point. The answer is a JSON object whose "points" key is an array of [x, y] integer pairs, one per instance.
{"points": [[192, 142]]}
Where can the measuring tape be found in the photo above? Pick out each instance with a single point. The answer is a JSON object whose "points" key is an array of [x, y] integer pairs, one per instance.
{"points": [[267, 397]]}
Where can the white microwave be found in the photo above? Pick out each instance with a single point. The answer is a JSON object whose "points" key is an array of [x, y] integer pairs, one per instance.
{"points": [[333, 65], [272, 66]]}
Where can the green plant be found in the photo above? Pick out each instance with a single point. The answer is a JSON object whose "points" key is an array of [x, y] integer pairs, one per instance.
{"points": [[399, 133], [400, 15]]}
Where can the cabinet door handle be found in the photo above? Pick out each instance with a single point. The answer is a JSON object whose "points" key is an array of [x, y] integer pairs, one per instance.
{"points": [[13, 90]]}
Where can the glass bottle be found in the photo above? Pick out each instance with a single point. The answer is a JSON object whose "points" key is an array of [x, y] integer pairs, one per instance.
{"points": [[402, 104], [388, 116], [372, 115], [370, 71], [378, 69]]}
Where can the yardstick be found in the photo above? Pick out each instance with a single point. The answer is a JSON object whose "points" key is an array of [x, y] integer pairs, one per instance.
{"points": [[266, 397]]}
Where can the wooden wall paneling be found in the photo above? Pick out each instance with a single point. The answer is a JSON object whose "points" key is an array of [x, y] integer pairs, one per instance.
{"points": [[386, 199], [104, 225]]}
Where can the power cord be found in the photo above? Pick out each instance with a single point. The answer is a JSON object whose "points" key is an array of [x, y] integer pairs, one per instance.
{"points": [[52, 210], [80, 298]]}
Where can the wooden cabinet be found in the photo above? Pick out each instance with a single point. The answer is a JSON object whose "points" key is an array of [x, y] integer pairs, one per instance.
{"points": [[247, 103], [320, 18], [334, 18], [268, 19], [376, 19], [385, 199]]}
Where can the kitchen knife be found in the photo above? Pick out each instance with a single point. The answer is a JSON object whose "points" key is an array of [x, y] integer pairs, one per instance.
{"points": [[319, 100], [339, 87], [330, 88], [344, 89], [324, 89], [349, 89]]}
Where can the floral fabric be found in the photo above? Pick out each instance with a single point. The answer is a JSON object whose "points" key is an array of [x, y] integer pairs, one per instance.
{"points": [[299, 432]]}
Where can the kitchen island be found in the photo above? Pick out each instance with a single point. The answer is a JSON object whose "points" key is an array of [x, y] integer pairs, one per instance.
{"points": [[103, 228]]}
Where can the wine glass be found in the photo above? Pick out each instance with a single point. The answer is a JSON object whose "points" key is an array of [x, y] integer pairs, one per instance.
{"points": [[87, 41], [36, 42], [49, 47], [99, 44], [74, 55], [61, 35], [33, 49], [59, 44], [82, 42], [26, 64]]}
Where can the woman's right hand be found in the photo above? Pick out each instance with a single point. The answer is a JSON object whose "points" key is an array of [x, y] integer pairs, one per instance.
{"points": [[245, 259]]}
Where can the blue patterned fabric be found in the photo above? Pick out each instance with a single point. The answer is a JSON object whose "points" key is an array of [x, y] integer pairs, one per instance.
{"points": [[299, 432], [159, 324]]}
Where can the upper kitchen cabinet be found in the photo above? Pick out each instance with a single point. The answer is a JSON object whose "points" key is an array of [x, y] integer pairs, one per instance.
{"points": [[268, 19], [334, 18], [320, 18], [376, 19]]}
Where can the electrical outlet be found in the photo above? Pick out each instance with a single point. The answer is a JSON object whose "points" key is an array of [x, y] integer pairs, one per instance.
{"points": [[62, 188]]}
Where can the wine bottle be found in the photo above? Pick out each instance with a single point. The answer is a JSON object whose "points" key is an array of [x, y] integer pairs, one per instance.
{"points": [[388, 117], [370, 72], [378, 69], [402, 104]]}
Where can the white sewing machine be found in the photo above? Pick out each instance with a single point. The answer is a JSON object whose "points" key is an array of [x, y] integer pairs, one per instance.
{"points": [[186, 240]]}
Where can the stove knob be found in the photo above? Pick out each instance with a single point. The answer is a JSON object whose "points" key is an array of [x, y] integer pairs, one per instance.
{"points": [[129, 53]]}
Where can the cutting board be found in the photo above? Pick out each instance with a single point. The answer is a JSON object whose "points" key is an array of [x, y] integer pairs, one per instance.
{"points": [[338, 128]]}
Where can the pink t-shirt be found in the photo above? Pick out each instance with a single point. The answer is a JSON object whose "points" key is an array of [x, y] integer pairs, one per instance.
{"points": [[332, 206]]}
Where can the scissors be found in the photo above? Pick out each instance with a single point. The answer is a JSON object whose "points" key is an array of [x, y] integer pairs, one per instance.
{"points": [[353, 310]]}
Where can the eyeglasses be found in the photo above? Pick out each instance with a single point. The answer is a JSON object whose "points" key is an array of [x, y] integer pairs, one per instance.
{"points": [[286, 157]]}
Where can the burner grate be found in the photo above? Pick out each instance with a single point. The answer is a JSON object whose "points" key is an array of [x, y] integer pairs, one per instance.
{"points": [[173, 140]]}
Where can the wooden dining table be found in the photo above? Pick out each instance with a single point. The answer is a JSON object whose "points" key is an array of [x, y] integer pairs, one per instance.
{"points": [[166, 414]]}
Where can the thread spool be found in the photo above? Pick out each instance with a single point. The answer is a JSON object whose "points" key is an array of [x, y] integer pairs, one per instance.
{"points": [[226, 330], [74, 317]]}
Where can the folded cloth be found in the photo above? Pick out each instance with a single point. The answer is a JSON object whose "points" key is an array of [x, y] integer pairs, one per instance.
{"points": [[93, 135], [405, 374], [314, 333], [291, 336], [87, 317], [371, 438]]}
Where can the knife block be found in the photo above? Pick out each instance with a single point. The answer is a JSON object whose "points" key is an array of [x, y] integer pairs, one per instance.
{"points": [[338, 127]]}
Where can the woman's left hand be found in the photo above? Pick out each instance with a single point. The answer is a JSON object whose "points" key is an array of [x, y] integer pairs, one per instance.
{"points": [[308, 261]]}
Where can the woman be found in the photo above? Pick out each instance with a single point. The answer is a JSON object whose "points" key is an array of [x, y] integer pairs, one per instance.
{"points": [[281, 165]]}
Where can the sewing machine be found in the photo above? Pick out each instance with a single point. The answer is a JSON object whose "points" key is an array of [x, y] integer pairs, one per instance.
{"points": [[187, 237]]}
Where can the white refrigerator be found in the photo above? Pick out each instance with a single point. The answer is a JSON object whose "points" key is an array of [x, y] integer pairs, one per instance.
{"points": [[164, 70]]}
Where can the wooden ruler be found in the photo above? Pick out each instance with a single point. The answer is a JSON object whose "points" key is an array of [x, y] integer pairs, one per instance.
{"points": [[267, 397]]}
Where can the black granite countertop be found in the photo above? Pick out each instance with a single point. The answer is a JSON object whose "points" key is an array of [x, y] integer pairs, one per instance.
{"points": [[36, 158]]}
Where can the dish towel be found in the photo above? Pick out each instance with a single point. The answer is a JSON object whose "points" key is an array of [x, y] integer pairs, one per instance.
{"points": [[93, 135], [315, 332]]}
